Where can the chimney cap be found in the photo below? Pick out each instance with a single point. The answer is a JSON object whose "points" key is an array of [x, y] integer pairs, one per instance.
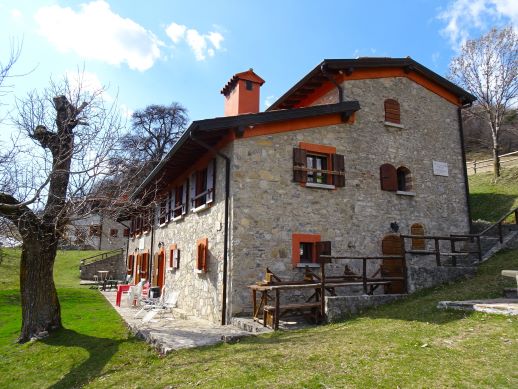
{"points": [[248, 75]]}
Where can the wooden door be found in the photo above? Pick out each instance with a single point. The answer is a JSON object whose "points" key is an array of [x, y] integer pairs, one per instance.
{"points": [[136, 277], [393, 245], [161, 269], [154, 272]]}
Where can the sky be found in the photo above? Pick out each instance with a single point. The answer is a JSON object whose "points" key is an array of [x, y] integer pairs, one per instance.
{"points": [[159, 51]]}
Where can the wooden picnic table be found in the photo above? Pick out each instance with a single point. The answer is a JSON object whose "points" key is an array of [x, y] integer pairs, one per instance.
{"points": [[264, 289]]}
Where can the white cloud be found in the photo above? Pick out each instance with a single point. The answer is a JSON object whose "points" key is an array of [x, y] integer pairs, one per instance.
{"points": [[269, 101], [463, 16], [16, 14], [95, 32], [176, 32], [202, 45]]}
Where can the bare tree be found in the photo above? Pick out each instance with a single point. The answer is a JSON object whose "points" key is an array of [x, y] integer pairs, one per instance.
{"points": [[154, 130], [67, 136], [488, 68]]}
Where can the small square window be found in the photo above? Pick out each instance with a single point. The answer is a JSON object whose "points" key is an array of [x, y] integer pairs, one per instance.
{"points": [[304, 250], [317, 168], [114, 233], [249, 85]]}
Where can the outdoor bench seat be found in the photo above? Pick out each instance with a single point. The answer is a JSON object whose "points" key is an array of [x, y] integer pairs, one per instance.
{"points": [[269, 312]]}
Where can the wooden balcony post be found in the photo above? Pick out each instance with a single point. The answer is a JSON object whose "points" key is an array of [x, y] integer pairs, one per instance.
{"points": [[437, 252], [364, 276], [453, 257]]}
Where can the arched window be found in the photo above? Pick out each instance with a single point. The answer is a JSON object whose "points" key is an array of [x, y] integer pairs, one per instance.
{"points": [[392, 113], [417, 243], [404, 179]]}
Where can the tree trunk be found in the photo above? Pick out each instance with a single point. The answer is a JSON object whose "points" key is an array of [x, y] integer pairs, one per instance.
{"points": [[496, 163], [40, 305]]}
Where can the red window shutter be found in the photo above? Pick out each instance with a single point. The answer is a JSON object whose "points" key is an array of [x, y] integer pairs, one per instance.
{"points": [[126, 232], [299, 165], [339, 166], [388, 177], [201, 257], [130, 264], [392, 112]]}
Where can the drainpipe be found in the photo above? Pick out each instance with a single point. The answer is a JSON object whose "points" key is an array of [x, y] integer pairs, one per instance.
{"points": [[225, 242], [464, 168], [127, 245], [150, 264], [330, 78]]}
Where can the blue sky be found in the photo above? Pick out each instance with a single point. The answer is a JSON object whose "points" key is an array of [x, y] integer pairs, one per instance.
{"points": [[157, 52]]}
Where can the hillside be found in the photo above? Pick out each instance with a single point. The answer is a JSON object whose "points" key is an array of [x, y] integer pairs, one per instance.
{"points": [[490, 200]]}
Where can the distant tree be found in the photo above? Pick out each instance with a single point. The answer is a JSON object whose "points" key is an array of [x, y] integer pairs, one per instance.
{"points": [[488, 68], [66, 135], [154, 130]]}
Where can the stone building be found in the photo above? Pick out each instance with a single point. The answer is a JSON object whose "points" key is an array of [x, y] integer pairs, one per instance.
{"points": [[356, 150]]}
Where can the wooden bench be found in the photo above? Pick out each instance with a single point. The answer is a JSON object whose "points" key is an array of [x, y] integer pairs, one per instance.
{"points": [[270, 313]]}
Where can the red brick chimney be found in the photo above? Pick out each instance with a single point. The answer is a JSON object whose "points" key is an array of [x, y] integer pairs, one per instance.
{"points": [[242, 93]]}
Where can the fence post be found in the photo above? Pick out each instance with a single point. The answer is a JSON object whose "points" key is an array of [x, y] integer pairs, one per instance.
{"points": [[479, 246], [364, 276], [437, 252], [474, 167], [453, 257], [516, 216]]}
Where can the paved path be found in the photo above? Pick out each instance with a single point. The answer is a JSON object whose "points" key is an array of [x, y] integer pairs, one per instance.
{"points": [[170, 331], [499, 306]]}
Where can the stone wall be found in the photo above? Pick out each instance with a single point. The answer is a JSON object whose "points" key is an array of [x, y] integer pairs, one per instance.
{"points": [[420, 277], [200, 294], [269, 207], [114, 264], [340, 307]]}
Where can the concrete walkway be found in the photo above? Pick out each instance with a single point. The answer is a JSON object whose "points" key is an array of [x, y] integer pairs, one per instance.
{"points": [[173, 330], [500, 306]]}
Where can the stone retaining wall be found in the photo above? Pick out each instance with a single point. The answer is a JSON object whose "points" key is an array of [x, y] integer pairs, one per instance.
{"points": [[340, 307], [115, 265], [420, 277]]}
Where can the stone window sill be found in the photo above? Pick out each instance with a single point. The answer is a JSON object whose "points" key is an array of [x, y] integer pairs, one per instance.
{"points": [[303, 265], [200, 208], [175, 219], [163, 224], [395, 125], [319, 186], [405, 193]]}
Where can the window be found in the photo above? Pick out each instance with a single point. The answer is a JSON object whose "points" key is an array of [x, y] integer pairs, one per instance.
{"points": [[249, 85], [129, 270], [392, 112], [404, 179], [396, 180], [126, 232], [179, 201], [163, 211], [303, 249], [114, 233], [202, 246], [95, 230], [202, 186], [417, 243], [318, 166], [174, 256]]}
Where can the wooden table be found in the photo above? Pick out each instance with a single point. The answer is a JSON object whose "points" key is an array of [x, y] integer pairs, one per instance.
{"points": [[276, 288]]}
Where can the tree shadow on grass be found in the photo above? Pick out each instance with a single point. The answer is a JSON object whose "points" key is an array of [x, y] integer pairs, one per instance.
{"points": [[100, 351], [490, 206]]}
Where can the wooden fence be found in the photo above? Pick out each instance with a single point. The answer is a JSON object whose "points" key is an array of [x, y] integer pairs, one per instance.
{"points": [[486, 165]]}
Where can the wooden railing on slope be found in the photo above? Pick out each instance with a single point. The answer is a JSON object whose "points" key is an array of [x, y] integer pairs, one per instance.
{"points": [[99, 257], [453, 238]]}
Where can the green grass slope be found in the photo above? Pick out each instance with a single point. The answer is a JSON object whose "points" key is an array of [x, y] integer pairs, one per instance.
{"points": [[407, 344], [490, 200]]}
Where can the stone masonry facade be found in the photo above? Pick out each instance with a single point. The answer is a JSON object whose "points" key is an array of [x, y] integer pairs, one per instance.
{"points": [[267, 207]]}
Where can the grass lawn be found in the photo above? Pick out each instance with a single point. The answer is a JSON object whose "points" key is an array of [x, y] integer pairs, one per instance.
{"points": [[407, 344], [491, 200]]}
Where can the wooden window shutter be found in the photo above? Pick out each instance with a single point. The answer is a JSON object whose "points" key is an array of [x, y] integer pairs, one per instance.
{"points": [[192, 189], [388, 177], [323, 248], [145, 264], [299, 165], [392, 112], [211, 180], [201, 255], [339, 166], [417, 243]]}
